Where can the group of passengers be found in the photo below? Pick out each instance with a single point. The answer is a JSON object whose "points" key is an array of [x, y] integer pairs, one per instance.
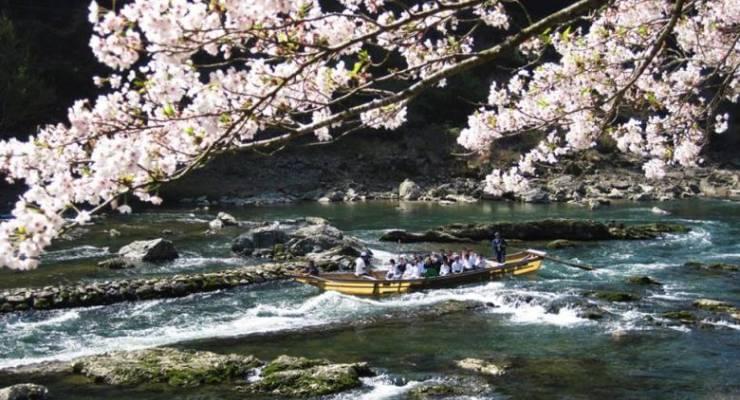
{"points": [[436, 264]]}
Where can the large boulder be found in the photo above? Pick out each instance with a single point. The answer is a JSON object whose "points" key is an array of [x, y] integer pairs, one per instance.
{"points": [[149, 250], [166, 365], [294, 238], [302, 377], [409, 190], [24, 391]]}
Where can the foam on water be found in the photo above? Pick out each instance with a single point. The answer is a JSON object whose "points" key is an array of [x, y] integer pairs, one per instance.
{"points": [[76, 253], [146, 324], [383, 387]]}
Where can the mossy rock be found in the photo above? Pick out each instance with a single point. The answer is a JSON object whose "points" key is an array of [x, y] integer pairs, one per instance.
{"points": [[166, 365], [302, 377], [713, 266], [642, 280], [616, 296], [681, 315], [439, 390], [714, 305], [560, 244]]}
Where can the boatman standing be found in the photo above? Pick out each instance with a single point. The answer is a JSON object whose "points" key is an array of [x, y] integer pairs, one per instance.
{"points": [[498, 245], [362, 264]]}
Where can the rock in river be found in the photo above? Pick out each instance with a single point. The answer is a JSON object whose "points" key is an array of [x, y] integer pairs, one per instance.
{"points": [[302, 377], [24, 391], [548, 229], [482, 366], [409, 190], [297, 237], [149, 250], [165, 365]]}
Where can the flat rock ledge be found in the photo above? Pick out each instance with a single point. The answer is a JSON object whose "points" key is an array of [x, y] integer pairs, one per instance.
{"points": [[285, 376], [24, 391], [109, 292], [549, 229]]}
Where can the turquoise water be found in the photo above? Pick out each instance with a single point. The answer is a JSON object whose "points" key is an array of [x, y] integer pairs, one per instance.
{"points": [[553, 352]]}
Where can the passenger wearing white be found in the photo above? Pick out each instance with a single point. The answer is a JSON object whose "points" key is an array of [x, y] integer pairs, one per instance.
{"points": [[468, 262], [444, 270], [412, 272], [420, 268], [457, 265], [477, 261], [361, 265]]}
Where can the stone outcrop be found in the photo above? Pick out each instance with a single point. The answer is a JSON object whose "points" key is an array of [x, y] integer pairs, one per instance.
{"points": [[643, 280], [166, 365], [109, 292], [409, 190], [302, 377], [149, 250], [714, 305], [482, 366], [549, 229], [24, 391], [285, 376], [287, 239], [613, 296]]}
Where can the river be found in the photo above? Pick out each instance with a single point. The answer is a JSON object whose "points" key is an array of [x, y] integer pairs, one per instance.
{"points": [[630, 354]]}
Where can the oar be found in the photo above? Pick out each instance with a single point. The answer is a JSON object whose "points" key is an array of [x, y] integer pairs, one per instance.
{"points": [[561, 261]]}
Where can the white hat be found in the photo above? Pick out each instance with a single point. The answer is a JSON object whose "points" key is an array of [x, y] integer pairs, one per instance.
{"points": [[363, 254]]}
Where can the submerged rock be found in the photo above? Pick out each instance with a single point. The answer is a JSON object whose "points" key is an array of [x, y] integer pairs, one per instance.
{"points": [[642, 280], [117, 263], [482, 366], [681, 315], [166, 365], [615, 296], [302, 377], [149, 250], [713, 266], [24, 391], [560, 244], [714, 305]]}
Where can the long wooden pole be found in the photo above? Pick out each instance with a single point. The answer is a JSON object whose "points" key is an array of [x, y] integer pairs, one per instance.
{"points": [[561, 261]]}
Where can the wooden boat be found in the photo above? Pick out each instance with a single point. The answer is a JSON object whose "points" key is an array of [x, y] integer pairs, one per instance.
{"points": [[376, 285]]}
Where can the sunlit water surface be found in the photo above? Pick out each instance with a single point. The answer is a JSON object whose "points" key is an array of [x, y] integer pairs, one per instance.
{"points": [[535, 324]]}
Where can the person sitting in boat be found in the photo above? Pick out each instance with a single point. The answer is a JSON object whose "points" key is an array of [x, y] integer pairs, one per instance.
{"points": [[401, 267], [392, 271], [412, 270], [475, 260], [457, 264], [444, 270], [421, 267], [362, 265], [311, 269], [431, 268], [498, 245], [467, 261]]}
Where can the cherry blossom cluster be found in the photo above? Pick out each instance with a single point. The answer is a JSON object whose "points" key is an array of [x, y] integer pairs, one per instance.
{"points": [[192, 78], [649, 74]]}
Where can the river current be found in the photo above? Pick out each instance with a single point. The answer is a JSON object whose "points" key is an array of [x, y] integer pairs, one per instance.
{"points": [[532, 322]]}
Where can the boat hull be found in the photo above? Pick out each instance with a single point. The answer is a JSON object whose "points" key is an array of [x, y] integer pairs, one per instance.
{"points": [[516, 264]]}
